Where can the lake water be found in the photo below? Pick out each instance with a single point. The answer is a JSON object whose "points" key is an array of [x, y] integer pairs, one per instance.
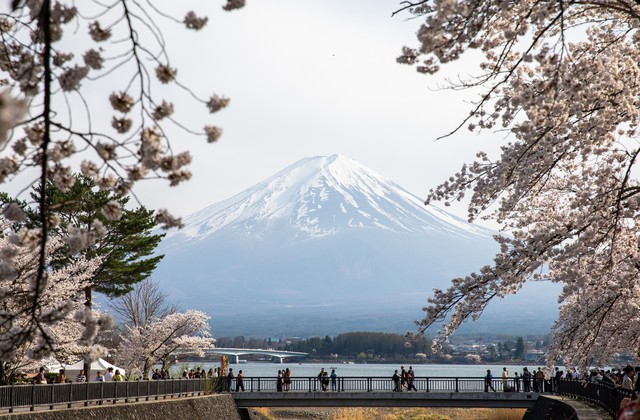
{"points": [[261, 369]]}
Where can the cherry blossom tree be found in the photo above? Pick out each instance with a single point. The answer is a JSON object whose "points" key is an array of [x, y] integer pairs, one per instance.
{"points": [[560, 81], [144, 304], [144, 346], [68, 326], [52, 53]]}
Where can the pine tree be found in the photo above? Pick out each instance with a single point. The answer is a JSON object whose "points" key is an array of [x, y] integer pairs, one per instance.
{"points": [[127, 246], [519, 353]]}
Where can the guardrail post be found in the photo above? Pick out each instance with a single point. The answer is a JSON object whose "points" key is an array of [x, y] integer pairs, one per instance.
{"points": [[11, 399], [137, 391], [310, 381], [101, 392], [427, 385], [115, 391], [70, 395], [342, 382], [86, 393], [457, 385], [51, 397], [33, 397], [369, 385]]}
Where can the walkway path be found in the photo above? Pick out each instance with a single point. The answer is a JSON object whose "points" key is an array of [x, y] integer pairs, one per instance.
{"points": [[583, 410]]}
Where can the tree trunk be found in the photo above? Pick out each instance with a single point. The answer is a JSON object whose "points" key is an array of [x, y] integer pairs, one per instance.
{"points": [[3, 379], [88, 303]]}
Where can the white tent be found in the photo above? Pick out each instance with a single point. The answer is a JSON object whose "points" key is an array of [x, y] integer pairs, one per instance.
{"points": [[73, 370]]}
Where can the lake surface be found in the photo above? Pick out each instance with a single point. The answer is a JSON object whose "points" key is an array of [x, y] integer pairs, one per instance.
{"points": [[262, 369]]}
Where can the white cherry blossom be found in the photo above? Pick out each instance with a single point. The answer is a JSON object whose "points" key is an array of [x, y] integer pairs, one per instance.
{"points": [[562, 79]]}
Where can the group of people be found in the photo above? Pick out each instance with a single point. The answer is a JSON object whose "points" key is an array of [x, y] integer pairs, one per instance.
{"points": [[199, 373], [239, 380], [324, 378], [536, 381], [627, 377], [61, 377], [404, 380], [283, 380], [526, 381]]}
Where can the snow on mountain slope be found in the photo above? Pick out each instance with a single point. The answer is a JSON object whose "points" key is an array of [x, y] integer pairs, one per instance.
{"points": [[319, 196], [325, 246]]}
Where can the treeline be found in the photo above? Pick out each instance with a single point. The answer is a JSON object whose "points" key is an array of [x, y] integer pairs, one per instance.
{"points": [[349, 345], [514, 350]]}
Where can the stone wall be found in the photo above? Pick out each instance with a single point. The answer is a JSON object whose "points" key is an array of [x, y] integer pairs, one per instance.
{"points": [[553, 407], [219, 407]]}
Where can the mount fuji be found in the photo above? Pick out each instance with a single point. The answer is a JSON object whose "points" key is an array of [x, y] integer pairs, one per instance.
{"points": [[326, 246]]}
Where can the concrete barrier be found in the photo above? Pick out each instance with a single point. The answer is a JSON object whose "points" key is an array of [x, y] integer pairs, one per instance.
{"points": [[558, 408], [219, 407]]}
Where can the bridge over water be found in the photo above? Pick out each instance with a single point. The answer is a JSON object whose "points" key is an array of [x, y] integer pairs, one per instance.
{"points": [[377, 392], [237, 352], [450, 392], [308, 392]]}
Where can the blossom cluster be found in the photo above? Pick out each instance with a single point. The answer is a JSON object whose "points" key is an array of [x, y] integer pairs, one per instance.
{"points": [[562, 79], [60, 324], [143, 346], [52, 52]]}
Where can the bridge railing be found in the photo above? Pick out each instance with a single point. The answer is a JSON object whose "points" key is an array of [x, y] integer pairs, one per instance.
{"points": [[602, 394], [378, 384], [50, 395]]}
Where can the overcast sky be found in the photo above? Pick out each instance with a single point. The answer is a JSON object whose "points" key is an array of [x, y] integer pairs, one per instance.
{"points": [[309, 78], [318, 77]]}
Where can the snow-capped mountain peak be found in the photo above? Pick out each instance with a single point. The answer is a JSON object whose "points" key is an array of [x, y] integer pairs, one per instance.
{"points": [[322, 247], [323, 195]]}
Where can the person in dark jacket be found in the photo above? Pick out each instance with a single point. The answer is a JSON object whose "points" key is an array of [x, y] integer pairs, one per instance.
{"points": [[230, 378], [396, 381]]}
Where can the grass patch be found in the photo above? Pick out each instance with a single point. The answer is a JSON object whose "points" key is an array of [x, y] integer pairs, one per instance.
{"points": [[390, 413]]}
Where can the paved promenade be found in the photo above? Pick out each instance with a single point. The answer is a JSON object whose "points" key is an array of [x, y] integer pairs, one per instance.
{"points": [[583, 410]]}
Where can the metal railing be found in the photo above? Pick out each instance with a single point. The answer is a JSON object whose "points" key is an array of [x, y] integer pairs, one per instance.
{"points": [[605, 395], [52, 395], [377, 384], [70, 394]]}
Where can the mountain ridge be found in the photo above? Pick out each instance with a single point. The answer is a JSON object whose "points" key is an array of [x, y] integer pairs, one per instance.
{"points": [[325, 243], [308, 184]]}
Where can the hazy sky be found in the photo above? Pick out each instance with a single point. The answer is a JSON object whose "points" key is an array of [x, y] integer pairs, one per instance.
{"points": [[318, 77], [308, 78]]}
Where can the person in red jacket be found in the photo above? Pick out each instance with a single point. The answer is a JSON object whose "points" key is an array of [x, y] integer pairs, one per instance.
{"points": [[240, 381]]}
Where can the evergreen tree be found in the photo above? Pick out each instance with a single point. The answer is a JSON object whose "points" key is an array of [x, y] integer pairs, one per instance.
{"points": [[519, 353], [127, 245], [491, 349]]}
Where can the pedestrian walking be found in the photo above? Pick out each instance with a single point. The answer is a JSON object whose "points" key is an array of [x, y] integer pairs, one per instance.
{"points": [[526, 380], [240, 381], [488, 382], [396, 381], [230, 378], [505, 379], [334, 380], [410, 377], [286, 380]]}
